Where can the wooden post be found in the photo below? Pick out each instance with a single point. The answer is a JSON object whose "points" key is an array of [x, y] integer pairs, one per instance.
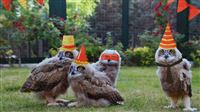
{"points": [[183, 23], [125, 23]]}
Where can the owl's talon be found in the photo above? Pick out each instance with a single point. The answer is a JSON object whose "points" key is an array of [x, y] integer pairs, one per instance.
{"points": [[62, 101], [55, 104], [170, 107], [190, 109]]}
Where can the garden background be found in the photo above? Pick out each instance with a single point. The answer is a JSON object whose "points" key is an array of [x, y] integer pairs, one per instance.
{"points": [[32, 31]]}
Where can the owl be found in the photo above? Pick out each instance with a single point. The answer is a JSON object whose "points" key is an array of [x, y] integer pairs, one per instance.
{"points": [[174, 72], [109, 62], [49, 78], [92, 87]]}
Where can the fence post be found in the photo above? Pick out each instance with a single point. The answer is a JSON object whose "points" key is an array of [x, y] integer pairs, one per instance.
{"points": [[125, 23], [57, 8], [183, 23]]}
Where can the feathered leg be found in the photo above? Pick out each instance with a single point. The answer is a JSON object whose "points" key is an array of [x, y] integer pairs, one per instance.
{"points": [[187, 104], [173, 103]]}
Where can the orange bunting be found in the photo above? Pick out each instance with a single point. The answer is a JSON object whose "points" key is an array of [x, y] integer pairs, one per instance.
{"points": [[194, 11], [182, 5], [40, 2], [6, 4], [167, 41]]}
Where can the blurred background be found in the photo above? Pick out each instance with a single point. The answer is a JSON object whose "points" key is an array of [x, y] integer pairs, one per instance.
{"points": [[31, 30]]}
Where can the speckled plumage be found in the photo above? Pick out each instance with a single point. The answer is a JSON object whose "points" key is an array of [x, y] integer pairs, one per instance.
{"points": [[49, 78], [180, 84], [110, 67], [92, 88]]}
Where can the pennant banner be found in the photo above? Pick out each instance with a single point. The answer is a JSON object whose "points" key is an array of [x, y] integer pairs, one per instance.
{"points": [[40, 2], [194, 11], [6, 4], [182, 5], [23, 3]]}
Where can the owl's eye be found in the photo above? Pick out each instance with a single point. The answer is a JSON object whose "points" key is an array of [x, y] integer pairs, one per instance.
{"points": [[80, 68], [69, 54], [172, 51], [161, 52]]}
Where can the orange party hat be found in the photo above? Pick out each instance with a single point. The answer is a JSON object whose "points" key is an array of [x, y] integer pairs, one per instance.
{"points": [[68, 43], [167, 41], [81, 59]]}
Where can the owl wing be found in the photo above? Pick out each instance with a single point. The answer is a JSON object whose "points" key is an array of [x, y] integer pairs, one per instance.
{"points": [[46, 76], [98, 87], [186, 77]]}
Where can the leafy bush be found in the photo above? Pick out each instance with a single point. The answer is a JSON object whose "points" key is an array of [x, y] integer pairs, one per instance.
{"points": [[150, 39], [196, 57], [141, 56]]}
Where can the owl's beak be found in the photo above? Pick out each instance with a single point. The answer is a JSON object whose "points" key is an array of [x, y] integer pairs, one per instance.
{"points": [[166, 56]]}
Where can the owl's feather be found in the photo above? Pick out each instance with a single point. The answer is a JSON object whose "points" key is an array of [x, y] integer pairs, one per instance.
{"points": [[110, 67], [92, 87], [46, 76]]}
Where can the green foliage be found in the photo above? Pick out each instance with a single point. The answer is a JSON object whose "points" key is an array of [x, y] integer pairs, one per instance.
{"points": [[21, 25], [77, 14], [141, 56], [196, 57], [150, 39], [94, 47], [53, 51]]}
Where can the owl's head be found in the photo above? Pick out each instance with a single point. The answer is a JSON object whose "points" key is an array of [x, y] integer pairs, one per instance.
{"points": [[77, 70], [110, 57], [167, 56], [67, 54]]}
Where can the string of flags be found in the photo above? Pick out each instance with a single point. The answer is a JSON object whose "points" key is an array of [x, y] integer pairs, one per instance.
{"points": [[182, 5], [23, 3], [6, 4]]}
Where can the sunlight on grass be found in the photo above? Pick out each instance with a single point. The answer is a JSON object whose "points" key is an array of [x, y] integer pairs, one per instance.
{"points": [[138, 85]]}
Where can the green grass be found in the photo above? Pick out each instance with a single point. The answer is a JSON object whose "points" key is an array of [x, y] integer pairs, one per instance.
{"points": [[138, 85]]}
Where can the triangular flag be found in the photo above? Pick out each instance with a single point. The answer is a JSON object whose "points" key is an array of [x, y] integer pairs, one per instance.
{"points": [[81, 59], [6, 4], [170, 2], [182, 5], [167, 41], [194, 11], [40, 2], [23, 3]]}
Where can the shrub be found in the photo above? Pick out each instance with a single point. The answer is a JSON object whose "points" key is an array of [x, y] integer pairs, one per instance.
{"points": [[196, 57], [141, 56]]}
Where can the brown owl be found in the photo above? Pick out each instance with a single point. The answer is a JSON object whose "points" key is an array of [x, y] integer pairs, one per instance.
{"points": [[91, 87], [174, 72], [49, 78], [109, 62]]}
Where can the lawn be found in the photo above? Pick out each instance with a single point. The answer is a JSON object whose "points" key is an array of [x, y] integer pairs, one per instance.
{"points": [[138, 85]]}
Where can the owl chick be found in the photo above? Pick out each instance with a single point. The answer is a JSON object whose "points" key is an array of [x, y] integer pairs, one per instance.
{"points": [[174, 72], [109, 62], [49, 78], [91, 87]]}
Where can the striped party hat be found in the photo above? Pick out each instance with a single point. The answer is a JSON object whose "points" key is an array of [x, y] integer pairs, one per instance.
{"points": [[81, 59], [167, 41], [68, 43]]}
